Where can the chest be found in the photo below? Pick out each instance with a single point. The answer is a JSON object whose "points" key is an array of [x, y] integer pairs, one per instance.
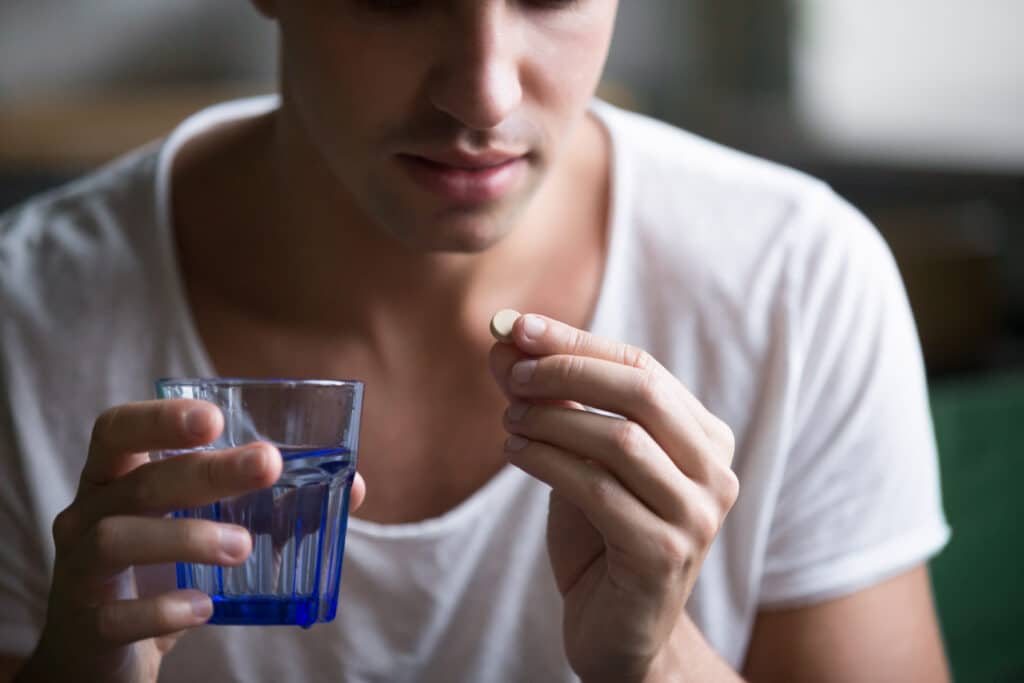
{"points": [[422, 455], [427, 440]]}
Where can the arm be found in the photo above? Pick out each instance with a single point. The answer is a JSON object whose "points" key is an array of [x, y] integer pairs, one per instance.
{"points": [[888, 632]]}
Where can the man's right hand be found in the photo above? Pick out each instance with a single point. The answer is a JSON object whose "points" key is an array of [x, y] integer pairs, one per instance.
{"points": [[96, 628]]}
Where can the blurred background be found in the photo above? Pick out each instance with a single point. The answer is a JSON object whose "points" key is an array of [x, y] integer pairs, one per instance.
{"points": [[913, 110]]}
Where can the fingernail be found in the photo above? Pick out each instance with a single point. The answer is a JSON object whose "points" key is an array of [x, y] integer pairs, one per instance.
{"points": [[202, 607], [197, 421], [517, 410], [234, 542], [251, 462], [515, 443], [523, 370], [534, 326]]}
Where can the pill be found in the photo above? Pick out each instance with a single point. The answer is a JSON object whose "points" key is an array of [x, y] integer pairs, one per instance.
{"points": [[501, 324]]}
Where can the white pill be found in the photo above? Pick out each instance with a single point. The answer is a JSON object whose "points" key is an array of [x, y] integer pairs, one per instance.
{"points": [[501, 324]]}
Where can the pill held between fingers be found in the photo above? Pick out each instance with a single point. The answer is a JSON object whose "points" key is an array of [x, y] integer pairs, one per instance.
{"points": [[501, 324]]}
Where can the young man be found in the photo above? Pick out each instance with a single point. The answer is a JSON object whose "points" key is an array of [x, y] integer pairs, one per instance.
{"points": [[429, 163]]}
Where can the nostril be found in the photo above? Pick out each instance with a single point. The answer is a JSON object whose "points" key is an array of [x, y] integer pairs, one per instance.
{"points": [[480, 96]]}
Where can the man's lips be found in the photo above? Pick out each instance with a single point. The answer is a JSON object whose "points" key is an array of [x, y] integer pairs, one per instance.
{"points": [[465, 179], [463, 160]]}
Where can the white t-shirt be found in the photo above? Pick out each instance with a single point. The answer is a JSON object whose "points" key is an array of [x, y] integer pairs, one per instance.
{"points": [[777, 304]]}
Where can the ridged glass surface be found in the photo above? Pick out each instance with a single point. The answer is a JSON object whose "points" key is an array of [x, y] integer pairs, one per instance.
{"points": [[293, 574], [298, 525]]}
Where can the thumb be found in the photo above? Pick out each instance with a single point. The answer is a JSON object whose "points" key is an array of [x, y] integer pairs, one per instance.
{"points": [[358, 493]]}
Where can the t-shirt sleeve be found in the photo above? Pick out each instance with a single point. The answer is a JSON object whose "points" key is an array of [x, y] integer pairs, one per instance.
{"points": [[859, 500], [24, 571]]}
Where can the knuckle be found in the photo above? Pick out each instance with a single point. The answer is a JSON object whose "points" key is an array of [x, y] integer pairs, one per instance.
{"points": [[703, 527], [630, 438], [570, 368], [675, 552], [729, 488], [724, 437], [167, 417], [196, 537], [163, 615], [722, 483], [637, 358], [650, 387], [105, 425], [577, 341], [212, 471], [106, 540], [65, 526], [143, 491], [601, 489], [107, 622]]}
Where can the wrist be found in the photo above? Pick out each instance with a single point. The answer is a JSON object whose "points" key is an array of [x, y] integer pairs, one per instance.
{"points": [[668, 665], [662, 666], [687, 656]]}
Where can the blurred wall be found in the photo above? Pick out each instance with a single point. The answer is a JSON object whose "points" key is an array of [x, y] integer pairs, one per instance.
{"points": [[937, 83], [81, 46], [656, 53]]}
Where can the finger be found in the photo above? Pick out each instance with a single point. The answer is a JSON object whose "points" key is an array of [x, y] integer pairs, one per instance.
{"points": [[125, 621], [358, 493], [122, 434], [165, 643], [626, 524], [573, 542], [644, 397], [502, 358], [623, 447], [116, 543], [186, 481], [537, 335]]}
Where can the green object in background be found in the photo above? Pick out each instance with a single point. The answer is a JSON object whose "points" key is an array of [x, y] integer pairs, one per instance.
{"points": [[979, 577]]}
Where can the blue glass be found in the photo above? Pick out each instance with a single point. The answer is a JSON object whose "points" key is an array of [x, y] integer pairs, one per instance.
{"points": [[298, 531], [298, 525]]}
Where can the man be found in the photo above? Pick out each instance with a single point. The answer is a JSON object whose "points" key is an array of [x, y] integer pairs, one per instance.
{"points": [[428, 164]]}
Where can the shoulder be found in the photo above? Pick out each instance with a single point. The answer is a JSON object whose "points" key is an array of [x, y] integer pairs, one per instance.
{"points": [[681, 185], [714, 219], [64, 239], [663, 156]]}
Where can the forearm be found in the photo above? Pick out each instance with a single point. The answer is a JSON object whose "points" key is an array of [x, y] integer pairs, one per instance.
{"points": [[689, 657]]}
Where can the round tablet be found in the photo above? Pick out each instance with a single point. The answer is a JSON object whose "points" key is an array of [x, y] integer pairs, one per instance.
{"points": [[501, 324]]}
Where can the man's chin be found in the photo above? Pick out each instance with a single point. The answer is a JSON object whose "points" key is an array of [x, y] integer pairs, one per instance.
{"points": [[460, 232], [456, 241]]}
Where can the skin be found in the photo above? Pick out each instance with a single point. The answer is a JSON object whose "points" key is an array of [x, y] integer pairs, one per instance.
{"points": [[636, 503]]}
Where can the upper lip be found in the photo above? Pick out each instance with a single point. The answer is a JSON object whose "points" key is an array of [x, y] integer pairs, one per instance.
{"points": [[457, 158]]}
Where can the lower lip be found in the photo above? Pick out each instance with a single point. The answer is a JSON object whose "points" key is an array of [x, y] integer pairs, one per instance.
{"points": [[463, 185]]}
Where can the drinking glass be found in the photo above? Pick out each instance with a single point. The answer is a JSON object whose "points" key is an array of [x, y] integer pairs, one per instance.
{"points": [[298, 525]]}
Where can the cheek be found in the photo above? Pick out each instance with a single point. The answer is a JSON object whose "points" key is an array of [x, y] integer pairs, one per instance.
{"points": [[347, 88], [562, 90]]}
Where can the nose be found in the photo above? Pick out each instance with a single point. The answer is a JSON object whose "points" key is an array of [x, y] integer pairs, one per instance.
{"points": [[478, 80]]}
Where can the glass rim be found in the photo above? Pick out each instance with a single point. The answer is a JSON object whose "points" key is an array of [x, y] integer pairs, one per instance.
{"points": [[256, 382]]}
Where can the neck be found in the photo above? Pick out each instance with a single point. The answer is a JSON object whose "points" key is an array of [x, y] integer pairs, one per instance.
{"points": [[320, 264]]}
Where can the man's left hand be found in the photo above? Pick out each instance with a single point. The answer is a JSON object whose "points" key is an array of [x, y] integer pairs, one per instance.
{"points": [[636, 502]]}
